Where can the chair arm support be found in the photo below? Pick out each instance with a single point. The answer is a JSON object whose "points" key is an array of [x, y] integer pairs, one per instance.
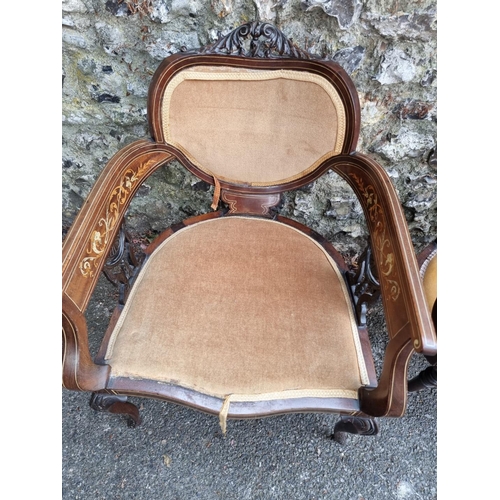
{"points": [[79, 372], [401, 286], [388, 399], [87, 246], [407, 317]]}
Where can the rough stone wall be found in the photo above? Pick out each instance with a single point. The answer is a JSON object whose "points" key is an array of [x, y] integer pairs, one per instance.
{"points": [[111, 49]]}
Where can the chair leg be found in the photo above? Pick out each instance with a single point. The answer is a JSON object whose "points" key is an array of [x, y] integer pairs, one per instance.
{"points": [[113, 403], [426, 379], [362, 426]]}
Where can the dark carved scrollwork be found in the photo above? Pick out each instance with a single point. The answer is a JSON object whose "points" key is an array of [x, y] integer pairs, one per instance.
{"points": [[354, 425], [426, 379], [266, 41], [123, 264], [364, 285], [113, 403]]}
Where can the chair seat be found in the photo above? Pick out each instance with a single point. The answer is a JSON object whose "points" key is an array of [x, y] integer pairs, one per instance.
{"points": [[241, 306]]}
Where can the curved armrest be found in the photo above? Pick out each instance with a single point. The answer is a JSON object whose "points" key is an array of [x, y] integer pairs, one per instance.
{"points": [[86, 248], [408, 321]]}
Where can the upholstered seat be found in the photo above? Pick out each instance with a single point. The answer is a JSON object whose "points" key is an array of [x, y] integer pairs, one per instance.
{"points": [[241, 306]]}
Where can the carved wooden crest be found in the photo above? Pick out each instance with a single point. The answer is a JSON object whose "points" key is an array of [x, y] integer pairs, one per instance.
{"points": [[265, 41]]}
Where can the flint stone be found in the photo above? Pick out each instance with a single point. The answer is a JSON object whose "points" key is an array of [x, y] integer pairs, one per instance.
{"points": [[74, 39], [345, 11], [350, 58], [371, 112], [184, 7], [429, 78], [66, 21], [119, 9], [160, 12], [222, 7], [407, 143], [74, 6], [396, 67], [265, 8], [111, 37], [414, 110], [413, 26]]}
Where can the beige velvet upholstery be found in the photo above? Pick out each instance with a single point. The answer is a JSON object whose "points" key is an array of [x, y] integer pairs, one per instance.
{"points": [[429, 275], [241, 306], [253, 126]]}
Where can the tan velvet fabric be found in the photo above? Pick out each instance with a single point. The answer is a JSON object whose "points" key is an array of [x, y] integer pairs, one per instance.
{"points": [[257, 127], [240, 306], [430, 282]]}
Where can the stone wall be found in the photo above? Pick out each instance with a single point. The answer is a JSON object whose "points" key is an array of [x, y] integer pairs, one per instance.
{"points": [[111, 49]]}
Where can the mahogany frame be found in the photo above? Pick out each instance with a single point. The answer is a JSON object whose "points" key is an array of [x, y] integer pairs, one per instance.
{"points": [[91, 237]]}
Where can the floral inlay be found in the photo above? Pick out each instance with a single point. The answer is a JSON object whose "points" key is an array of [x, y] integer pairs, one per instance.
{"points": [[381, 244], [100, 237]]}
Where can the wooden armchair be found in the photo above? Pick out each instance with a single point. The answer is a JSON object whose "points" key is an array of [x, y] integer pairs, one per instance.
{"points": [[241, 312]]}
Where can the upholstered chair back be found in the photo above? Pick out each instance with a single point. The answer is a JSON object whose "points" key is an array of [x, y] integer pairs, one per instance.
{"points": [[245, 122]]}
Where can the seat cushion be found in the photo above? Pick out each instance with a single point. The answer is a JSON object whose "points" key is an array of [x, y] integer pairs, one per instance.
{"points": [[241, 306]]}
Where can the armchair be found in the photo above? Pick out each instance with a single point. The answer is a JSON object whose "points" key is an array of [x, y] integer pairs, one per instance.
{"points": [[241, 312]]}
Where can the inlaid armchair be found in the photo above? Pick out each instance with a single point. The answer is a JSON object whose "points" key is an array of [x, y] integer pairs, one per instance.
{"points": [[241, 312]]}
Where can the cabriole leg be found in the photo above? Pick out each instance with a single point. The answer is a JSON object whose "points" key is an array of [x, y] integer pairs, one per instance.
{"points": [[426, 379], [362, 426], [113, 403]]}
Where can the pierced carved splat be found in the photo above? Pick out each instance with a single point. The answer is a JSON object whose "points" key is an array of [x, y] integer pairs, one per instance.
{"points": [[123, 265], [266, 41], [364, 285]]}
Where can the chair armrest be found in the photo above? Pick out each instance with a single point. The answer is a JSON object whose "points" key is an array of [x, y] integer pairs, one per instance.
{"points": [[408, 320], [87, 246]]}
